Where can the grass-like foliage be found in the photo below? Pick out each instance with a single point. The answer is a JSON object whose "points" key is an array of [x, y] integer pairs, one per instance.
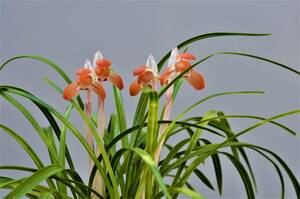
{"points": [[125, 160]]}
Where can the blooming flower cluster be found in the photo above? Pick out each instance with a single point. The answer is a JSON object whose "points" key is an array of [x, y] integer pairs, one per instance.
{"points": [[178, 63], [92, 77]]}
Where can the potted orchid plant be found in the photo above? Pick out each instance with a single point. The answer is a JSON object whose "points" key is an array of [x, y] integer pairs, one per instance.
{"points": [[126, 161]]}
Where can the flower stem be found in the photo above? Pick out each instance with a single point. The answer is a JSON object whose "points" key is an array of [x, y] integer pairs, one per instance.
{"points": [[163, 127], [89, 136], [99, 185]]}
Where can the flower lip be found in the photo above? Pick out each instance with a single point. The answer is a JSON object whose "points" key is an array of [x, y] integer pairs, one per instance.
{"points": [[102, 72], [84, 81], [145, 78]]}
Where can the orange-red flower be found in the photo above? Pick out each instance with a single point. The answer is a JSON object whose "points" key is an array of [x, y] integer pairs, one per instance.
{"points": [[84, 81], [92, 78], [179, 63], [147, 75], [104, 72]]}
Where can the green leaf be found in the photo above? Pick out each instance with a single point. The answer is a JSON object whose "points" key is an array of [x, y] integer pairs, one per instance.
{"points": [[139, 116], [45, 195], [63, 135], [25, 94], [243, 173], [120, 113], [151, 164], [187, 192], [164, 89], [276, 168], [49, 133], [99, 141], [82, 192], [193, 142], [33, 181], [263, 59], [49, 63], [217, 167], [203, 178], [29, 150], [34, 124], [168, 130], [206, 36]]}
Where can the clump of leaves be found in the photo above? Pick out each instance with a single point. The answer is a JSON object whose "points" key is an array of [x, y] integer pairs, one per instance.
{"points": [[135, 168]]}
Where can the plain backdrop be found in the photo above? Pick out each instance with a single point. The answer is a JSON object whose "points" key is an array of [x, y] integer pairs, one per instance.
{"points": [[69, 32]]}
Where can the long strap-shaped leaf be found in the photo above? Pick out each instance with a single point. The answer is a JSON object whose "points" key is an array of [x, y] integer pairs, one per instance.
{"points": [[243, 173], [27, 148], [33, 180], [168, 130], [99, 141], [150, 163], [49, 63], [34, 124], [192, 143], [25, 94], [120, 113], [206, 36], [63, 180], [187, 192], [225, 143], [132, 130], [163, 90]]}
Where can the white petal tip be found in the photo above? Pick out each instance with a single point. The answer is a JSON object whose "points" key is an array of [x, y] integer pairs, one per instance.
{"points": [[173, 56], [151, 63], [88, 64], [98, 55]]}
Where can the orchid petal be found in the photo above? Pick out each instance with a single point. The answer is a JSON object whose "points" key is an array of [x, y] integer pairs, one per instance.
{"points": [[88, 65], [165, 76], [139, 70], [187, 56], [182, 65], [99, 90], [103, 63], [151, 63], [116, 80], [98, 55], [173, 56], [71, 91], [134, 88], [83, 71], [195, 79]]}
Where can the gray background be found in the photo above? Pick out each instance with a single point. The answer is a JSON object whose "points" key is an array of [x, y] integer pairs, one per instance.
{"points": [[127, 32]]}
